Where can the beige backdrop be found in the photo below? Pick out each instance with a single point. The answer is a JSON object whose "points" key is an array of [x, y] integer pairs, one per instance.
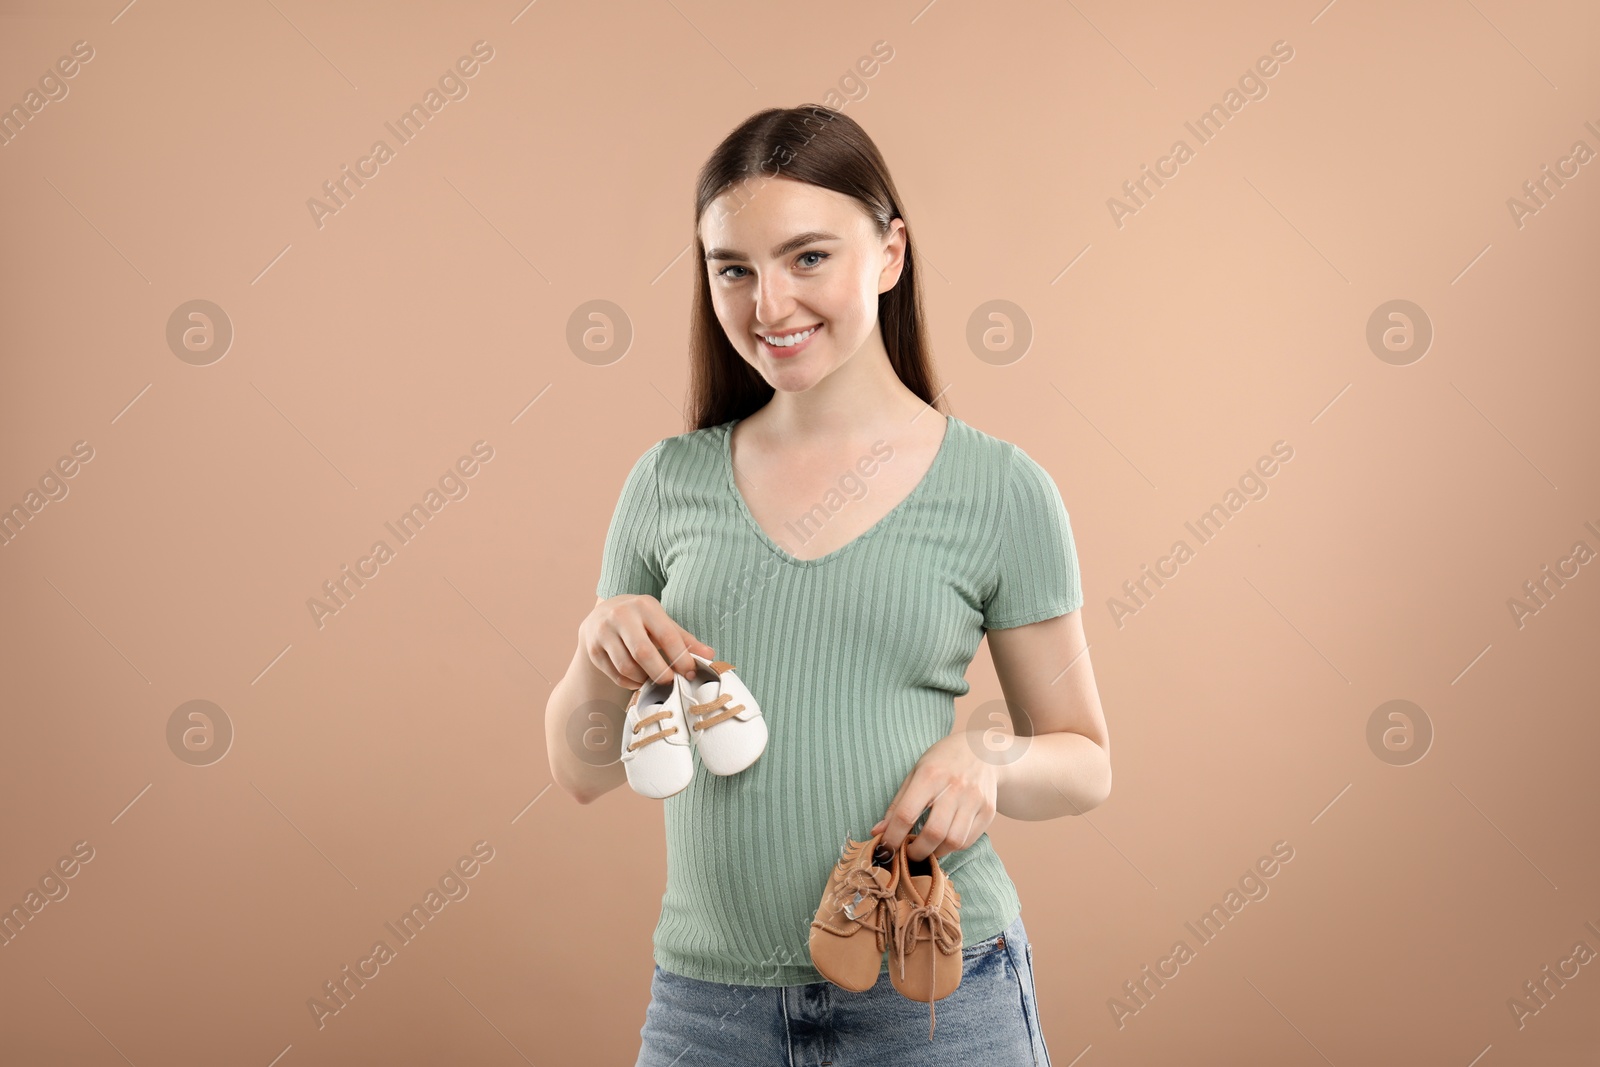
{"points": [[1380, 258]]}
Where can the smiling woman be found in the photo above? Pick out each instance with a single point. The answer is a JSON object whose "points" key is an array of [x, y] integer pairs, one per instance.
{"points": [[807, 354]]}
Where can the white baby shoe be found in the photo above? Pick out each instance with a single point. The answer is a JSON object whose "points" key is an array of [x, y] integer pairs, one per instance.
{"points": [[725, 722], [656, 746]]}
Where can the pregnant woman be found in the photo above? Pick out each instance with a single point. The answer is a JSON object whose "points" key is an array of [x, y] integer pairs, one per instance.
{"points": [[842, 541]]}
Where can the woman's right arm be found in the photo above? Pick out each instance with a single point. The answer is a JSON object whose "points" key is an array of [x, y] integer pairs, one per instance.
{"points": [[617, 653]]}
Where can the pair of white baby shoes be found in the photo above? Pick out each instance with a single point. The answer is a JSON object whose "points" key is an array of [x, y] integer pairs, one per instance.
{"points": [[712, 713]]}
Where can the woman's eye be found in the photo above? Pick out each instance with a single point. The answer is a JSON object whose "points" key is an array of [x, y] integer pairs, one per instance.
{"points": [[723, 273]]}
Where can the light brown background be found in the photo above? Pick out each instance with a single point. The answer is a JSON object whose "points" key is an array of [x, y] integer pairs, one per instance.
{"points": [[432, 311]]}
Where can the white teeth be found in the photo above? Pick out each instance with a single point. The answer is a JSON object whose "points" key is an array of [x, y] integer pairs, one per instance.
{"points": [[791, 339]]}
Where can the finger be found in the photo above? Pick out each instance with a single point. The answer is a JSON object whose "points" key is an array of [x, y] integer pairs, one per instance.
{"points": [[936, 827], [698, 645], [965, 817], [975, 827], [915, 796], [618, 662], [641, 641], [888, 817], [936, 831], [675, 642]]}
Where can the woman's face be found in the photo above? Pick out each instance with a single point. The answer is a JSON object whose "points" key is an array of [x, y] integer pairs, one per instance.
{"points": [[791, 258]]}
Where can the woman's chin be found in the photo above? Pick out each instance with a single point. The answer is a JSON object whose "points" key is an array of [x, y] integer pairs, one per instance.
{"points": [[791, 383]]}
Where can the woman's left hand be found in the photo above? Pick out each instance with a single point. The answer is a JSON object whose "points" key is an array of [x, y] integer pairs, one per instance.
{"points": [[962, 788]]}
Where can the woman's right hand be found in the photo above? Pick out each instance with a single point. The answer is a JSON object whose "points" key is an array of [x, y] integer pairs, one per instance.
{"points": [[622, 636]]}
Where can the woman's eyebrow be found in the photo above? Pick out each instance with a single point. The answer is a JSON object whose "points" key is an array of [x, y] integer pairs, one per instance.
{"points": [[799, 240]]}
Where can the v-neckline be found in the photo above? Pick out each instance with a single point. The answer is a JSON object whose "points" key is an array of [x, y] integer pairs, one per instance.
{"points": [[777, 550]]}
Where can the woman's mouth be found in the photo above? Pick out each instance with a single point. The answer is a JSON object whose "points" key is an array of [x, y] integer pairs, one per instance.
{"points": [[802, 339]]}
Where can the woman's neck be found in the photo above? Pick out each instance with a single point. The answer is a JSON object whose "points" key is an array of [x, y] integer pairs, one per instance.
{"points": [[862, 398]]}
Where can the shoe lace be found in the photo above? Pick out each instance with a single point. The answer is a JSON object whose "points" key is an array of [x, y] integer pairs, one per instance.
{"points": [[862, 901], [723, 701], [871, 904], [701, 711], [939, 927], [664, 713]]}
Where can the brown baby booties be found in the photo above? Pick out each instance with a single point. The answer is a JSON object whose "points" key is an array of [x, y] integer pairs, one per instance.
{"points": [[853, 925], [926, 938]]}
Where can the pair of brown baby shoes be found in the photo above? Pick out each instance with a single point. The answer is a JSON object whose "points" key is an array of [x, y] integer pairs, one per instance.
{"points": [[879, 900]]}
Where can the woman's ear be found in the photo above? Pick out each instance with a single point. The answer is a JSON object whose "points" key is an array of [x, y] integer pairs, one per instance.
{"points": [[894, 250]]}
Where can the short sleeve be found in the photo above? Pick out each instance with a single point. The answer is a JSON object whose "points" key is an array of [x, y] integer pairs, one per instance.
{"points": [[1036, 566], [631, 563]]}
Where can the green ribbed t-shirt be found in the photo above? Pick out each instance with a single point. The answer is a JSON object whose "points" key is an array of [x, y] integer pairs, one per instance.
{"points": [[855, 659]]}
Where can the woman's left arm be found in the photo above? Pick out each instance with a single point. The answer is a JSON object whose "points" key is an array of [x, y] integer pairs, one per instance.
{"points": [[1048, 682], [1058, 764]]}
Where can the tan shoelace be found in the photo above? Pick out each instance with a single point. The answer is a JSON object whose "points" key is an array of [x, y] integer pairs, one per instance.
{"points": [[943, 930], [869, 904], [664, 713], [728, 711], [722, 701]]}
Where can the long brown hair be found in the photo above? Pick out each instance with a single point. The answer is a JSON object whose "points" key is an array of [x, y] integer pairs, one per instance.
{"points": [[818, 145]]}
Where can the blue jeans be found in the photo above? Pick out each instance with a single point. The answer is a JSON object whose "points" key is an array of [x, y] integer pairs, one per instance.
{"points": [[992, 1018]]}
